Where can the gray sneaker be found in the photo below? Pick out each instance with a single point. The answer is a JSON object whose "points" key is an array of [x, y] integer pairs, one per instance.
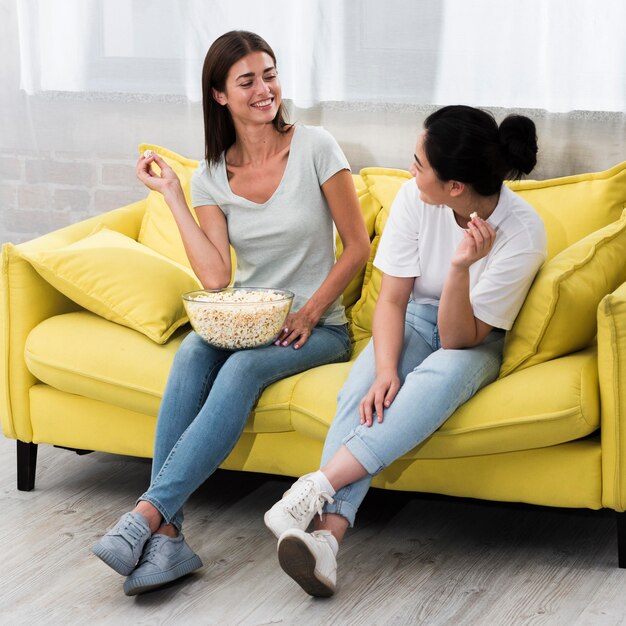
{"points": [[122, 546], [165, 559]]}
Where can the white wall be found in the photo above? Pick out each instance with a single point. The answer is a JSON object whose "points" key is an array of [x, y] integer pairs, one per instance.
{"points": [[65, 157]]}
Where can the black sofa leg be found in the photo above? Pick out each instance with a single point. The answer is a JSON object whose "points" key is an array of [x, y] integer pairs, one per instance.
{"points": [[26, 465], [621, 540]]}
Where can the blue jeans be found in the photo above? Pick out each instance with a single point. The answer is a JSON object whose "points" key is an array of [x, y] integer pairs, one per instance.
{"points": [[434, 383], [208, 398]]}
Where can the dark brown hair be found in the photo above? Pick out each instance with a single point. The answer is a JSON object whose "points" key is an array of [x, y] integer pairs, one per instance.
{"points": [[219, 130], [466, 144]]}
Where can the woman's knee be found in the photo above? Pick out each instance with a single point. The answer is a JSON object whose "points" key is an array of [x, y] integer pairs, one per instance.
{"points": [[193, 351], [480, 364], [242, 366]]}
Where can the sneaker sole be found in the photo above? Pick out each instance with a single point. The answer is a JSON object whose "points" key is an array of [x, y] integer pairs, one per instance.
{"points": [[111, 560], [134, 586], [298, 562]]}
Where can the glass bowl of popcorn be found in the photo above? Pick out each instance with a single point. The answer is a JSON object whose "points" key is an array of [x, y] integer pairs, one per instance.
{"points": [[238, 317]]}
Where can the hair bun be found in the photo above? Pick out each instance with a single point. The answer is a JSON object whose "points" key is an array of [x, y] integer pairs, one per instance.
{"points": [[518, 142]]}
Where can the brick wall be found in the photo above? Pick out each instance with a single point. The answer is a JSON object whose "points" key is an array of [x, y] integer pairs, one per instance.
{"points": [[45, 189], [40, 192]]}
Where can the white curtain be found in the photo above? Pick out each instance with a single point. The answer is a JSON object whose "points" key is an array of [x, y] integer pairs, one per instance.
{"points": [[558, 55], [158, 47]]}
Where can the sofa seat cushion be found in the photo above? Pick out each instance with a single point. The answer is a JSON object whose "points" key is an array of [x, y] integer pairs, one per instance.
{"points": [[83, 354], [544, 405]]}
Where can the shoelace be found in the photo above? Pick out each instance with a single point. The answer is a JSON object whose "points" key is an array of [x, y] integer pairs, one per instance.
{"points": [[155, 542], [306, 504], [321, 533], [132, 532]]}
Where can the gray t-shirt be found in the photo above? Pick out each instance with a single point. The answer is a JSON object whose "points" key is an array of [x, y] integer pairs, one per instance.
{"points": [[287, 242]]}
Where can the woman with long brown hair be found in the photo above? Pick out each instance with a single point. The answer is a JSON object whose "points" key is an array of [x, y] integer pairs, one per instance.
{"points": [[273, 191]]}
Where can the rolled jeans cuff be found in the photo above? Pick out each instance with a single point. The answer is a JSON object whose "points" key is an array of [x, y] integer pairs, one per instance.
{"points": [[363, 453], [343, 508], [175, 520]]}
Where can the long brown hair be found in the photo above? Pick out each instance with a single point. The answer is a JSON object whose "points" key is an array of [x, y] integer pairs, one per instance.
{"points": [[219, 130]]}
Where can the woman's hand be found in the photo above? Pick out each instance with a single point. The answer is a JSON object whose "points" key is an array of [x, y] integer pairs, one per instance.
{"points": [[459, 328], [379, 397], [166, 181], [298, 328], [477, 242]]}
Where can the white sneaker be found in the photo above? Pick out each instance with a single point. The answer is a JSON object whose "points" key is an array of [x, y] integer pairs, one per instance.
{"points": [[298, 506], [309, 559]]}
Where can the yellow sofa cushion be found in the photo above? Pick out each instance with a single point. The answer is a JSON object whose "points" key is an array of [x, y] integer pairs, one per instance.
{"points": [[120, 280], [125, 369], [383, 184], [121, 367], [158, 227], [571, 207], [559, 314], [502, 417], [369, 209]]}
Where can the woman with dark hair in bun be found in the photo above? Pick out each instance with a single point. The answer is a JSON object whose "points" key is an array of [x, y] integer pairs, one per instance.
{"points": [[458, 255]]}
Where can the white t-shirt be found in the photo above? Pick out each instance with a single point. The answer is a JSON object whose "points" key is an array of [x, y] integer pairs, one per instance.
{"points": [[420, 239], [288, 241]]}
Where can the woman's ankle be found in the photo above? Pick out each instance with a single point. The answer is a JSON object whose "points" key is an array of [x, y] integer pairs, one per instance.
{"points": [[333, 522], [169, 530], [151, 513]]}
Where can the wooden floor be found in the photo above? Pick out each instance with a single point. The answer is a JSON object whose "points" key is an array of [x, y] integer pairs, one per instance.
{"points": [[412, 559]]}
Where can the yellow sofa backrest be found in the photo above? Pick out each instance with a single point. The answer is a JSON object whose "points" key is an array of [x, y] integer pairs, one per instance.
{"points": [[571, 207], [158, 227], [575, 206]]}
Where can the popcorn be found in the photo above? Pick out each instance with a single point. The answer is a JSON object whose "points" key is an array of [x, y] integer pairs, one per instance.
{"points": [[473, 215], [147, 154], [238, 318]]}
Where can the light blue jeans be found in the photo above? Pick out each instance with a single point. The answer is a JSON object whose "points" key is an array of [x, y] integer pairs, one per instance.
{"points": [[208, 398], [434, 383]]}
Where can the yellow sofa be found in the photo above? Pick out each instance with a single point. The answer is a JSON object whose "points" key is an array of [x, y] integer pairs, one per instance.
{"points": [[91, 319]]}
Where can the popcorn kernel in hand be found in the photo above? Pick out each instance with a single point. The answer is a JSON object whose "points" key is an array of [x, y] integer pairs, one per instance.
{"points": [[147, 154]]}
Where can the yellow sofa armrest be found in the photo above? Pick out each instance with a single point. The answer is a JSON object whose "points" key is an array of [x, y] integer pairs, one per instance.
{"points": [[26, 299], [612, 376]]}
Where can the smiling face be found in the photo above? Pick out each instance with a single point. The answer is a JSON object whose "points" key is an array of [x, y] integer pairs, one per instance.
{"points": [[432, 189], [252, 92]]}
